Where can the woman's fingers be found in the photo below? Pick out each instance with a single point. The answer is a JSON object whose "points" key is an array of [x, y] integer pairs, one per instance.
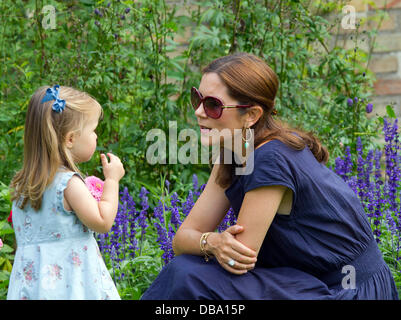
{"points": [[237, 245], [246, 260], [235, 229], [236, 267], [242, 249], [243, 258], [227, 248]]}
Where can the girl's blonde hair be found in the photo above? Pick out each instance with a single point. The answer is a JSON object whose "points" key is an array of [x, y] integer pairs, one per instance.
{"points": [[44, 142]]}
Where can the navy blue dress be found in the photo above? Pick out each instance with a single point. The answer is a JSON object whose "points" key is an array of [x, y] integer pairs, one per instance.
{"points": [[324, 249]]}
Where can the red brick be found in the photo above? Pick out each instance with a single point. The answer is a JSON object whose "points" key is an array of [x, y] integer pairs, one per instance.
{"points": [[388, 87], [388, 42], [388, 23], [384, 64], [379, 4], [359, 5]]}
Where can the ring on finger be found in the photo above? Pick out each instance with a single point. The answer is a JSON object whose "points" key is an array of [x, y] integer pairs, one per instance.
{"points": [[231, 262]]}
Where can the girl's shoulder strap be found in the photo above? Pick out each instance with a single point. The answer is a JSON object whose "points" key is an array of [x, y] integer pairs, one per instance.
{"points": [[65, 175], [60, 184]]}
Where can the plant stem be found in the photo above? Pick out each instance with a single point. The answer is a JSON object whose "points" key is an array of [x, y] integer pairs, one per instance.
{"points": [[236, 9], [40, 31]]}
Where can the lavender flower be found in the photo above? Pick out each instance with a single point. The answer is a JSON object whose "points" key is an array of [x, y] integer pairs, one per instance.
{"points": [[343, 167], [188, 204], [143, 213], [392, 170], [369, 108], [361, 177], [174, 199], [165, 234], [131, 218], [195, 186], [350, 102], [229, 220], [101, 243], [379, 196]]}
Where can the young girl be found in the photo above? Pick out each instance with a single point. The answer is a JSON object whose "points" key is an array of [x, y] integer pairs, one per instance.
{"points": [[53, 211]]}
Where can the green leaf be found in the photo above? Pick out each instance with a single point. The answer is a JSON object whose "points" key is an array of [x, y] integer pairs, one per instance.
{"points": [[390, 112], [4, 275], [6, 249]]}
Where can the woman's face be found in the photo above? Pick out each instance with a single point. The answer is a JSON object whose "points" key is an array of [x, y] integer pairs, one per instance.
{"points": [[211, 85]]}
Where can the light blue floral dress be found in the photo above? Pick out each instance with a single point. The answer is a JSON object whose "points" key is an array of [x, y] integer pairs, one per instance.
{"points": [[57, 256]]}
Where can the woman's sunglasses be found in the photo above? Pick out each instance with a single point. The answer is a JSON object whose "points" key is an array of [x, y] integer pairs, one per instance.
{"points": [[213, 106]]}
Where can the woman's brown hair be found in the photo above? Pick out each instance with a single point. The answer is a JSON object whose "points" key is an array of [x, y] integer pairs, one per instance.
{"points": [[250, 80], [44, 142]]}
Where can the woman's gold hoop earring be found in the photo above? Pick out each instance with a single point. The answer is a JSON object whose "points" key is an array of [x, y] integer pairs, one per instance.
{"points": [[247, 140]]}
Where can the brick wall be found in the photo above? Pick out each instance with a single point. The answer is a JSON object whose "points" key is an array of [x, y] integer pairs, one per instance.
{"points": [[386, 55]]}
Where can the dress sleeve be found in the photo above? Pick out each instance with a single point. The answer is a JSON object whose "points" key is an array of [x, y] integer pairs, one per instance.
{"points": [[271, 167], [62, 183]]}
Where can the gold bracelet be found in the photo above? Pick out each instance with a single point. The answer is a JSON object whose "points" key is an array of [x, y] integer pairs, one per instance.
{"points": [[202, 244]]}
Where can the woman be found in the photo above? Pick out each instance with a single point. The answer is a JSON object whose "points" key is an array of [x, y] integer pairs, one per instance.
{"points": [[301, 231]]}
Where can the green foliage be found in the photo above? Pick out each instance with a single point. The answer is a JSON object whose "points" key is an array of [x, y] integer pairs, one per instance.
{"points": [[134, 276], [295, 38], [5, 202], [6, 256], [134, 65]]}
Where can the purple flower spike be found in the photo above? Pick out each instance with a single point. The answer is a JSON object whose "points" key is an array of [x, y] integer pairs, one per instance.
{"points": [[369, 108], [350, 102]]}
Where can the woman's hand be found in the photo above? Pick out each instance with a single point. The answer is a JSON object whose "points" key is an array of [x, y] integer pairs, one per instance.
{"points": [[225, 247]]}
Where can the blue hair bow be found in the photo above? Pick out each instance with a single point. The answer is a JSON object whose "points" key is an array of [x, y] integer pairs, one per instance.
{"points": [[52, 94]]}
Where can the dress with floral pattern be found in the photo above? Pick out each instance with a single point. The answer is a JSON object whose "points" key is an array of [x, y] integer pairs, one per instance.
{"points": [[57, 256]]}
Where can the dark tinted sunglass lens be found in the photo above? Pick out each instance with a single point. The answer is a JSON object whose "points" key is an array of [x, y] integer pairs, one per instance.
{"points": [[195, 98], [212, 107]]}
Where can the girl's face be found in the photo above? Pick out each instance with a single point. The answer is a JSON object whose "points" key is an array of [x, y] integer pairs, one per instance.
{"points": [[84, 145], [211, 85]]}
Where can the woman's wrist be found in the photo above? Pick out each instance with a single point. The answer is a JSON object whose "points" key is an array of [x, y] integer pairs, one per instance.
{"points": [[210, 243]]}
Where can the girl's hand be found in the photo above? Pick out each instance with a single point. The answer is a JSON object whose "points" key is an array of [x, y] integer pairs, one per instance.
{"points": [[225, 247], [113, 169]]}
